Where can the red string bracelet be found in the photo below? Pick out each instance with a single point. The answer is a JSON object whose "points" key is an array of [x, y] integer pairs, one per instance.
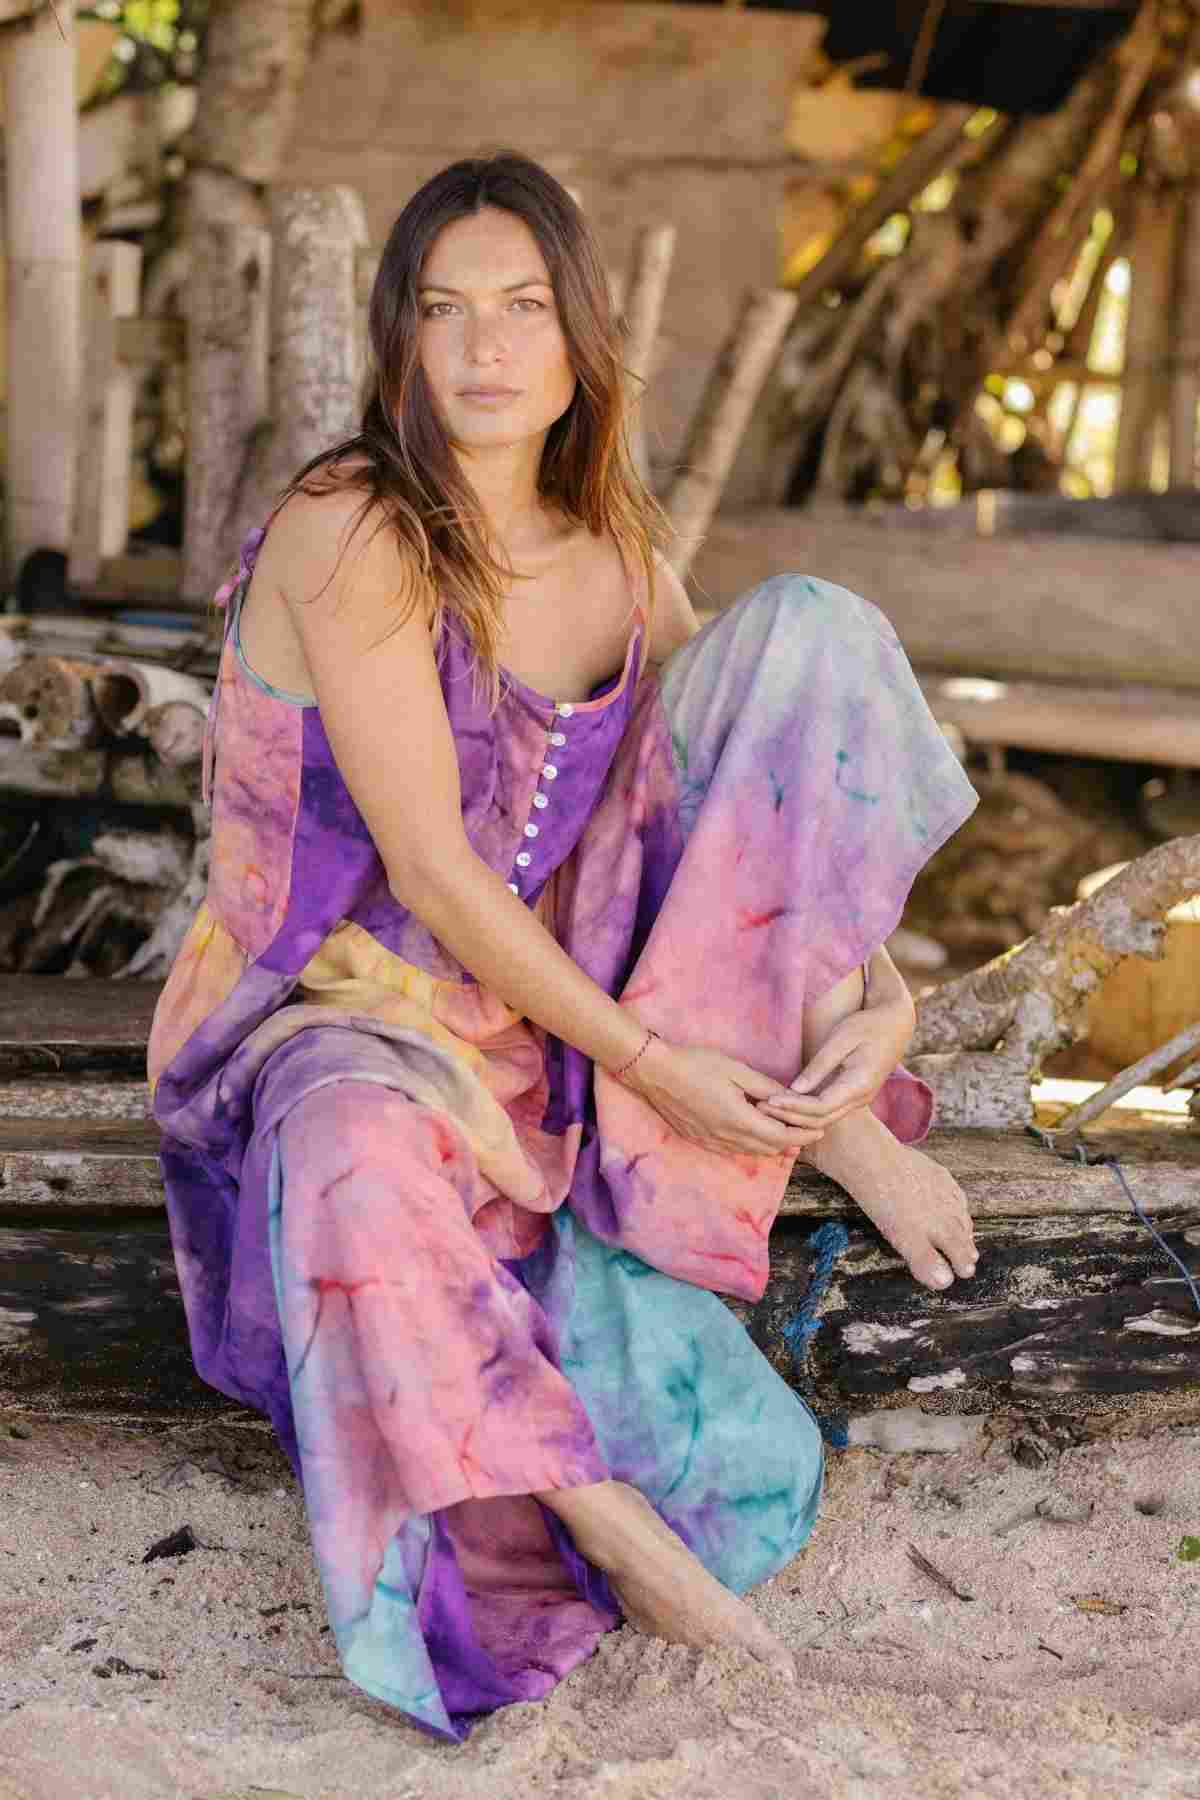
{"points": [[617, 1074]]}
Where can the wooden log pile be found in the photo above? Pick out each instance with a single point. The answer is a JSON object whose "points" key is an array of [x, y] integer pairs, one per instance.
{"points": [[103, 840]]}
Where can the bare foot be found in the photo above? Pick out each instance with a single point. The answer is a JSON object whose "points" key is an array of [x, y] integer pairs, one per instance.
{"points": [[661, 1587], [917, 1205]]}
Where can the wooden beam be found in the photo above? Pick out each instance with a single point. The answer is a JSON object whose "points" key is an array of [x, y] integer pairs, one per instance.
{"points": [[1073, 609], [1124, 724], [52, 1026], [80, 1163]]}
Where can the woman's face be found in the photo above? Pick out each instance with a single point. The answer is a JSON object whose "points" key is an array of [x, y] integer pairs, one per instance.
{"points": [[492, 347]]}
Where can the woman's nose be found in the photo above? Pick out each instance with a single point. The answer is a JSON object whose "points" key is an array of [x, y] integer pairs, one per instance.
{"points": [[484, 340]]}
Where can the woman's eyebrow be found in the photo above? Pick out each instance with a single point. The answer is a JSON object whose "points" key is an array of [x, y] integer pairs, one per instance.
{"points": [[435, 287]]}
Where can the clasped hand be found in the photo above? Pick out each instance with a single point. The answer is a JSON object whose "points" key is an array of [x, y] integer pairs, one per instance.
{"points": [[724, 1105]]}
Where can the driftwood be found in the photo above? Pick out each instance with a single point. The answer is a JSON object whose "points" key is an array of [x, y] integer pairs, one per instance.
{"points": [[1031, 1001], [650, 271], [175, 732], [723, 415], [47, 702], [1157, 1062], [127, 691]]}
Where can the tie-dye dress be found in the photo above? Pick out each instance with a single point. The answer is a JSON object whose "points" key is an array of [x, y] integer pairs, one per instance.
{"points": [[452, 1262]]}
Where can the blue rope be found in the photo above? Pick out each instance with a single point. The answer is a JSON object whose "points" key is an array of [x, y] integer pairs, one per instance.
{"points": [[826, 1244], [1083, 1153]]}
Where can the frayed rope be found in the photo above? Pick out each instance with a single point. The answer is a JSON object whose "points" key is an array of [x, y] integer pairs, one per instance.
{"points": [[826, 1244]]}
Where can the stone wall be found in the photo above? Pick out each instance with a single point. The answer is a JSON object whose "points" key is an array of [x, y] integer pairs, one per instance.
{"points": [[648, 112]]}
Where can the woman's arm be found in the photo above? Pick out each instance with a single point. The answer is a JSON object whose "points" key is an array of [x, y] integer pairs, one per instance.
{"points": [[379, 692]]}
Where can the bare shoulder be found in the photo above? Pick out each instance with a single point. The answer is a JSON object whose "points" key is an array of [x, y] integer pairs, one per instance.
{"points": [[674, 619], [336, 553]]}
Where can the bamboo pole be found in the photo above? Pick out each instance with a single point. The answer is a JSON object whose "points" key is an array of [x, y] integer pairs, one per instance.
{"points": [[724, 412], [650, 270], [1144, 389], [1185, 345], [42, 250]]}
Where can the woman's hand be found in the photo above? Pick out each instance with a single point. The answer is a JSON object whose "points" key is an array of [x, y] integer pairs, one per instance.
{"points": [[856, 1058], [708, 1098]]}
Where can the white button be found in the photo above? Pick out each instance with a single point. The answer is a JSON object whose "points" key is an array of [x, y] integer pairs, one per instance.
{"points": [[523, 859], [540, 800], [531, 831], [549, 771], [513, 888], [565, 710], [558, 739]]}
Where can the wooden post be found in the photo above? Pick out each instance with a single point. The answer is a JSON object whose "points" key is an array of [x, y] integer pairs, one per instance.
{"points": [[1144, 388], [101, 528], [317, 233], [650, 270], [226, 387], [1185, 342], [42, 239], [724, 412]]}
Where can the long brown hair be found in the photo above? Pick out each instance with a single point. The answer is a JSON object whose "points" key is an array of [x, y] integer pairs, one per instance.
{"points": [[401, 456]]}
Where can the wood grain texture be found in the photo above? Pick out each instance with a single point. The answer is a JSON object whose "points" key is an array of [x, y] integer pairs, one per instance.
{"points": [[72, 1163], [52, 1026]]}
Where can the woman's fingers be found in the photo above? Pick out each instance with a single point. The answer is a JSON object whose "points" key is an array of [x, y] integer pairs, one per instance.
{"points": [[840, 1044]]}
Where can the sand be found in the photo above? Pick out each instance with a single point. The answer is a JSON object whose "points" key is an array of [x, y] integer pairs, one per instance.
{"points": [[905, 1689]]}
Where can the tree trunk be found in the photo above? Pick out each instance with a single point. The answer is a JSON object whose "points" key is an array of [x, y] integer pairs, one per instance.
{"points": [[1185, 348], [1147, 348], [316, 352], [44, 356], [256, 58], [228, 309]]}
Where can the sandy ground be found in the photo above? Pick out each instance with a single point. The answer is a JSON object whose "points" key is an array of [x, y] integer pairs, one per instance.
{"points": [[1074, 1669]]}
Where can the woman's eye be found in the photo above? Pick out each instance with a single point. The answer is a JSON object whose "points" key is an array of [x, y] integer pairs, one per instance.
{"points": [[527, 300], [437, 309]]}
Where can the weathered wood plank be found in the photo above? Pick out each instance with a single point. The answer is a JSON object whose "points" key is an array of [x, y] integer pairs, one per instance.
{"points": [[1077, 610], [69, 1163], [1079, 1314], [92, 1321], [52, 1026], [1066, 1312]]}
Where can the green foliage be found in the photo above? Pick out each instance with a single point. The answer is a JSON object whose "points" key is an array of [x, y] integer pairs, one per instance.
{"points": [[1189, 1549], [160, 41]]}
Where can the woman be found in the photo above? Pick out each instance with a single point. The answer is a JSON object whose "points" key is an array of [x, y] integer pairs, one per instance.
{"points": [[536, 921]]}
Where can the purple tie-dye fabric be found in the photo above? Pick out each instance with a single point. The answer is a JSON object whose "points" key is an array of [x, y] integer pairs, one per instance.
{"points": [[718, 842]]}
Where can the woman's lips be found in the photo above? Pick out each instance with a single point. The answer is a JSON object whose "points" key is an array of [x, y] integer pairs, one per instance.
{"points": [[487, 396]]}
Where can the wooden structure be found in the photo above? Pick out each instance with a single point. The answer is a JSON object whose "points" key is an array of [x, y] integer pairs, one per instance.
{"points": [[1074, 1307]]}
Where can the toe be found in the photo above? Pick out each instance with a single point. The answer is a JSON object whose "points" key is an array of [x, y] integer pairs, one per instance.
{"points": [[930, 1267]]}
